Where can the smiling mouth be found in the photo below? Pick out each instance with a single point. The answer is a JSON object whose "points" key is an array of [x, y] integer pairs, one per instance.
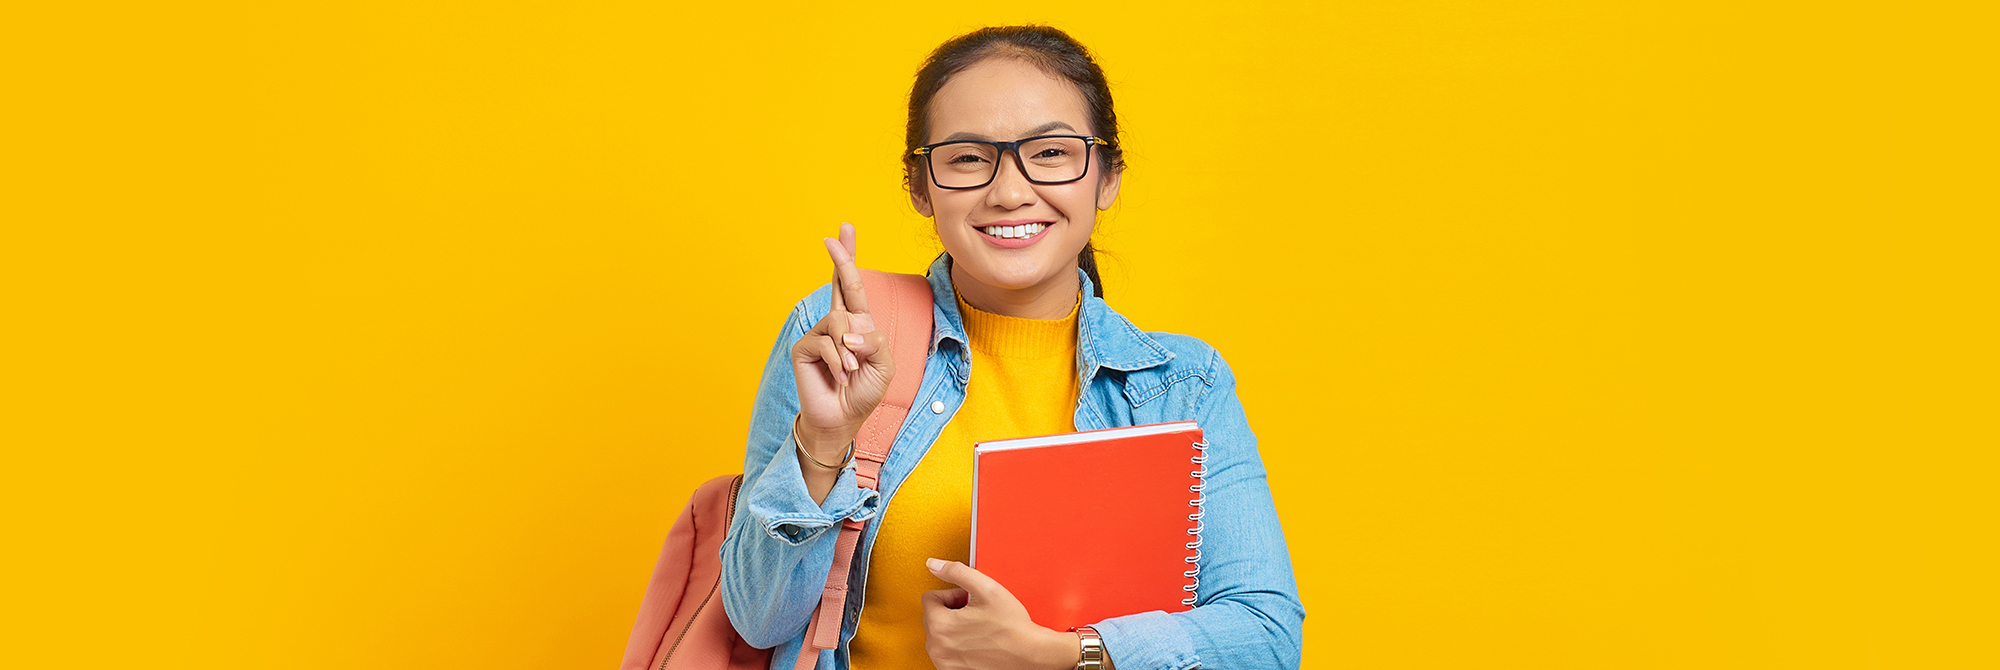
{"points": [[1015, 232]]}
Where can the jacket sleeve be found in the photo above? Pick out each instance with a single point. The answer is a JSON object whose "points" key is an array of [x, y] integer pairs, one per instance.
{"points": [[778, 552], [1247, 612]]}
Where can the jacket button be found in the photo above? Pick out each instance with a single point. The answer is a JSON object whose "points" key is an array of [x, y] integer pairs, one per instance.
{"points": [[937, 406]]}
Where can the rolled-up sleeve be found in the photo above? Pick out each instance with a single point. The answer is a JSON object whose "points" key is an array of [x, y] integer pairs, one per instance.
{"points": [[776, 558], [1247, 612], [781, 505]]}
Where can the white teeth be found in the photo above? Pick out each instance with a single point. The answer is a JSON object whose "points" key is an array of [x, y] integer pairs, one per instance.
{"points": [[1015, 232]]}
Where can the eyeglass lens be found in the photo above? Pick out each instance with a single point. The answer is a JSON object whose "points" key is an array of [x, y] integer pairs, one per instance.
{"points": [[1046, 159]]}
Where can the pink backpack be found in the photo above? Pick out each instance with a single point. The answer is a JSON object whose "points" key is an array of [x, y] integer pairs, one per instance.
{"points": [[681, 623]]}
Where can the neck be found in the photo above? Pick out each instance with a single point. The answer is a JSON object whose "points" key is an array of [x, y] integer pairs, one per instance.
{"points": [[1049, 300]]}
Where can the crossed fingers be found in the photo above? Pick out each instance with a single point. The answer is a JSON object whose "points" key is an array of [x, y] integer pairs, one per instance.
{"points": [[849, 316]]}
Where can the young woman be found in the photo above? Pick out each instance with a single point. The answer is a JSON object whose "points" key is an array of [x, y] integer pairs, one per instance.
{"points": [[1012, 151]]}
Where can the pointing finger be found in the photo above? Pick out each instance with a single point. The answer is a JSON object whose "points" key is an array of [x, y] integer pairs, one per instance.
{"points": [[839, 303], [847, 282]]}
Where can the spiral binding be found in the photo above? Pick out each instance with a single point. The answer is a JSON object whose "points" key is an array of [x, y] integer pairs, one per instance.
{"points": [[1201, 474]]}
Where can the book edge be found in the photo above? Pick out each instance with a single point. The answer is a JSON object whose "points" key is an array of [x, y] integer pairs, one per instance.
{"points": [[1077, 438]]}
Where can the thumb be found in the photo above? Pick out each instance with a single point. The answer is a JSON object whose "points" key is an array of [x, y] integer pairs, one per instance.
{"points": [[872, 346], [978, 587]]}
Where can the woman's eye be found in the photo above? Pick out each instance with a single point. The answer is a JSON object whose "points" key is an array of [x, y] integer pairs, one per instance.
{"points": [[1052, 152], [968, 158]]}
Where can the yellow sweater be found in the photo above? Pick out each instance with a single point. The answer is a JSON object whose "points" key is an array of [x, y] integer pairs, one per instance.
{"points": [[1023, 383]]}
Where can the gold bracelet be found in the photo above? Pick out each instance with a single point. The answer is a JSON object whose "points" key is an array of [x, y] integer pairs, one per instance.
{"points": [[809, 457]]}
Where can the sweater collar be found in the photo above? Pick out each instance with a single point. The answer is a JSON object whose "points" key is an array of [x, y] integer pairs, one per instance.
{"points": [[1013, 337], [1105, 338]]}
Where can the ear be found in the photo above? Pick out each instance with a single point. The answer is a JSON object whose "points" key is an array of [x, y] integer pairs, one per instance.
{"points": [[1107, 189], [920, 197]]}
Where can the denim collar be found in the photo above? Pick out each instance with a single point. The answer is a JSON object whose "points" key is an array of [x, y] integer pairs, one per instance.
{"points": [[1105, 339]]}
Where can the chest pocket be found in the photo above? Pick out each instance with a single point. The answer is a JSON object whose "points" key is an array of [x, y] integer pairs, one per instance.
{"points": [[1165, 393]]}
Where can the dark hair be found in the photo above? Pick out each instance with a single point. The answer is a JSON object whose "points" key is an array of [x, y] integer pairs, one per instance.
{"points": [[1051, 50]]}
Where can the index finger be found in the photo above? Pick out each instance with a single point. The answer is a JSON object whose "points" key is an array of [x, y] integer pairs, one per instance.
{"points": [[839, 304], [847, 290], [846, 242]]}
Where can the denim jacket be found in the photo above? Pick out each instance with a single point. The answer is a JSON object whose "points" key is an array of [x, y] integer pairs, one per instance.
{"points": [[780, 545]]}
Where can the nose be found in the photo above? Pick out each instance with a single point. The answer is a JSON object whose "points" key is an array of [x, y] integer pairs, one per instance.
{"points": [[1010, 188]]}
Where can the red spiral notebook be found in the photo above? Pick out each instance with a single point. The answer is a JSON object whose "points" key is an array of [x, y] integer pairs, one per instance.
{"points": [[1086, 526]]}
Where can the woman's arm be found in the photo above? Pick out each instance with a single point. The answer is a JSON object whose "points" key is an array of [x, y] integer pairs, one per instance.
{"points": [[778, 552], [1247, 614]]}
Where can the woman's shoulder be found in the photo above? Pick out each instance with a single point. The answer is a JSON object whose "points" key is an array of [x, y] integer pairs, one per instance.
{"points": [[1184, 346], [1150, 363], [1188, 358], [1167, 376]]}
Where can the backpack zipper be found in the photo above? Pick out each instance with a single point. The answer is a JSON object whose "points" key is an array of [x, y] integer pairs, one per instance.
{"points": [[734, 484]]}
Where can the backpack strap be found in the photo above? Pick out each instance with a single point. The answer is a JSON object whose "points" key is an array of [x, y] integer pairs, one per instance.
{"points": [[901, 306]]}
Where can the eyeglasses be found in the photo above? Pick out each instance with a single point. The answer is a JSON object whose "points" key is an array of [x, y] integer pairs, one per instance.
{"points": [[1046, 159]]}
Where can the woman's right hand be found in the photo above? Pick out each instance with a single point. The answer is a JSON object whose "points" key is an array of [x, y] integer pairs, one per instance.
{"points": [[842, 365]]}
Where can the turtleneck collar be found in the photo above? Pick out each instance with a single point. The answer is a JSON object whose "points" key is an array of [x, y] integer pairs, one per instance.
{"points": [[1011, 337]]}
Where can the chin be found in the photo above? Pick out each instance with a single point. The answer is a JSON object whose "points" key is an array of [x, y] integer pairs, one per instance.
{"points": [[1015, 281], [1013, 274]]}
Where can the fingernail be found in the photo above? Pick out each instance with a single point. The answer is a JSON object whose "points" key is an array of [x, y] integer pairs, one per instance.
{"points": [[853, 340], [935, 564], [851, 363]]}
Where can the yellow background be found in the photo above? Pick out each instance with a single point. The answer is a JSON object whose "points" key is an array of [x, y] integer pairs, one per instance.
{"points": [[1576, 334]]}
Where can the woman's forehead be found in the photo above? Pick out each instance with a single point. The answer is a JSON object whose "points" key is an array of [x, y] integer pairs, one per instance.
{"points": [[1005, 99]]}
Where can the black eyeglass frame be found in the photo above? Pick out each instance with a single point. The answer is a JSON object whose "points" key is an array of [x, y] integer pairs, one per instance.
{"points": [[1090, 142]]}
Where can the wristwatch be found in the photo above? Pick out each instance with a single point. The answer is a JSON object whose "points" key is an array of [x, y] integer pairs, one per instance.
{"points": [[1091, 656]]}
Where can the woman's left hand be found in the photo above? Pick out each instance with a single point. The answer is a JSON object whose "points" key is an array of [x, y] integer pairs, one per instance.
{"points": [[981, 625]]}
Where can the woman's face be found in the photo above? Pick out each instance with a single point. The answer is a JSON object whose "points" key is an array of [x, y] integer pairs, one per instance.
{"points": [[1005, 99]]}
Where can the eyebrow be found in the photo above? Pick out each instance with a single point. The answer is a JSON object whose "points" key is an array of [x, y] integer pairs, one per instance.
{"points": [[1046, 127]]}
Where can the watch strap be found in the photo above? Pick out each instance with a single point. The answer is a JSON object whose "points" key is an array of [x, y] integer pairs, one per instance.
{"points": [[1091, 654]]}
